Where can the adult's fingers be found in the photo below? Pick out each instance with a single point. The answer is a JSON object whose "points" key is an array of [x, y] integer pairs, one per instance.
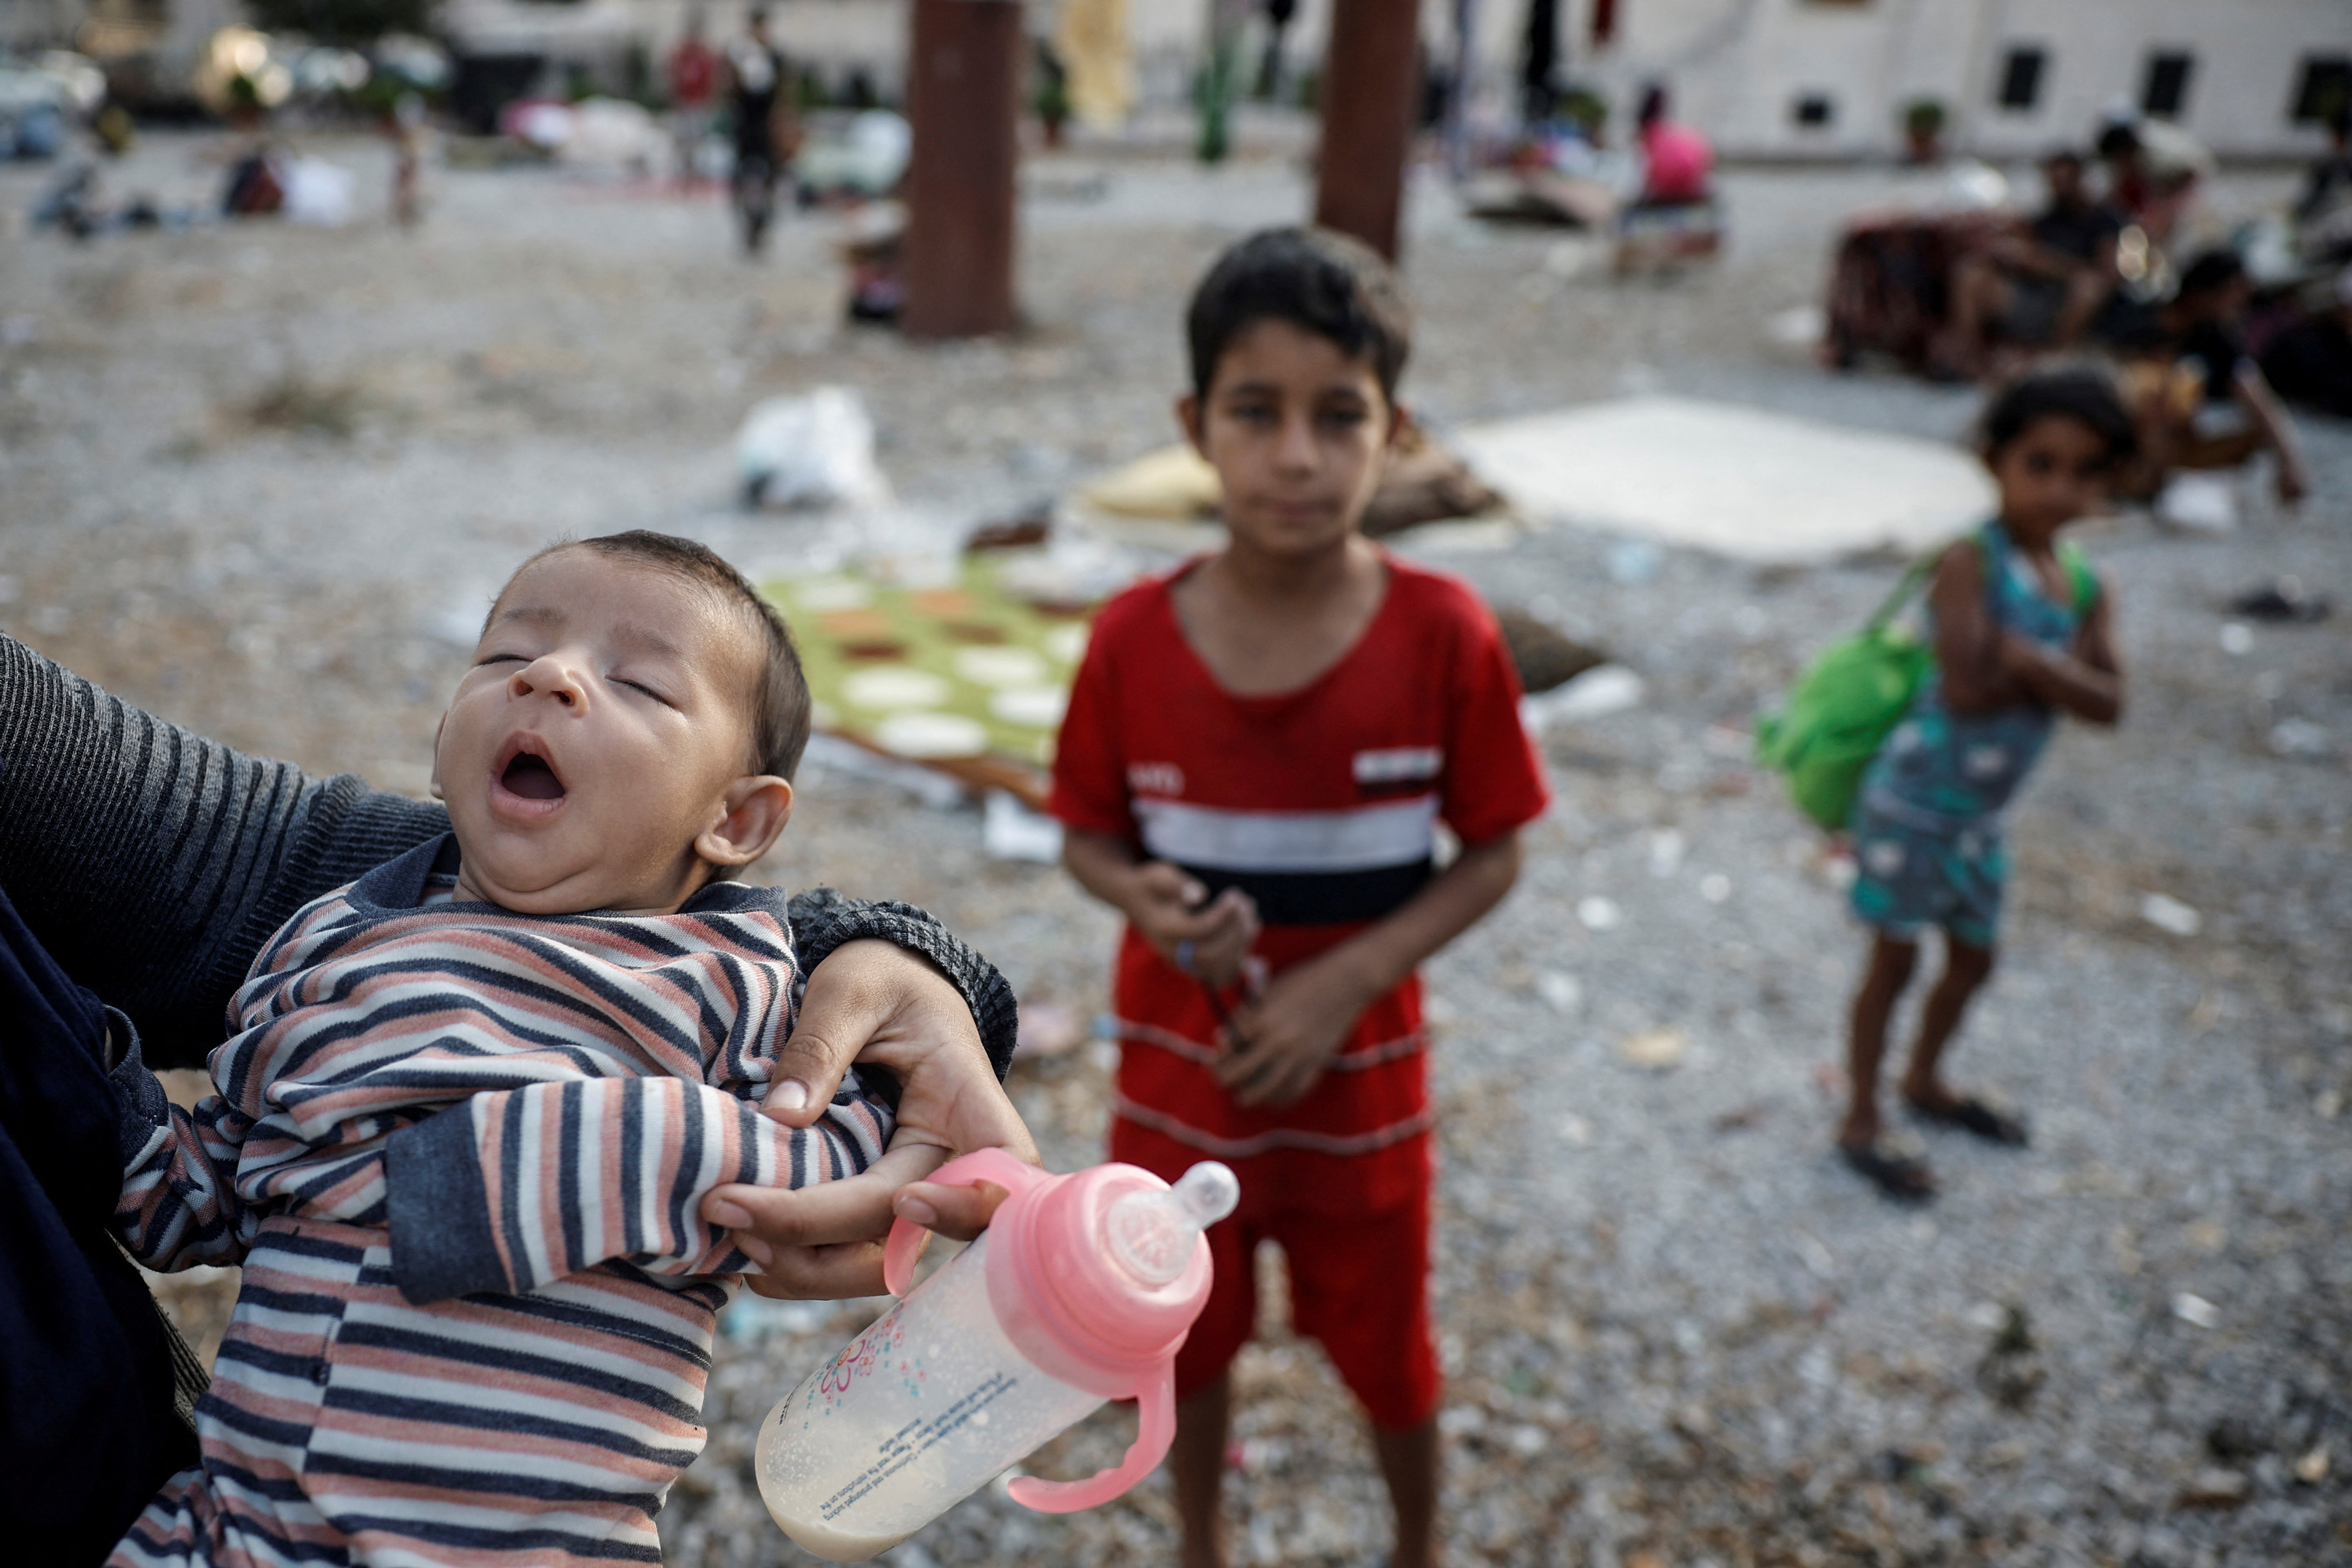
{"points": [[958, 1213], [855, 1209], [821, 1273]]}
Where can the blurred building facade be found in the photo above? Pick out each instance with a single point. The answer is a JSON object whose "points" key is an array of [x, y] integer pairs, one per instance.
{"points": [[1765, 79]]}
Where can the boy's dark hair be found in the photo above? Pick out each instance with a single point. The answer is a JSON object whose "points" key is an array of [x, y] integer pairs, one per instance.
{"points": [[780, 697], [2077, 393], [1324, 283], [2210, 273], [2119, 141]]}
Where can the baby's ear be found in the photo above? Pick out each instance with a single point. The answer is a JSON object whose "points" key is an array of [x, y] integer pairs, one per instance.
{"points": [[753, 813]]}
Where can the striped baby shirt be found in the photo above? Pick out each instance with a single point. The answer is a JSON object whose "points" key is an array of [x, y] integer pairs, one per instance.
{"points": [[458, 1152]]}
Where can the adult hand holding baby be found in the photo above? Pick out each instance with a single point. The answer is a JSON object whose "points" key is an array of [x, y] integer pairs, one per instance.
{"points": [[825, 1242]]}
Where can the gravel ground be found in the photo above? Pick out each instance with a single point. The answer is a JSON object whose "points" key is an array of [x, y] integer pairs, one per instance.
{"points": [[259, 476]]}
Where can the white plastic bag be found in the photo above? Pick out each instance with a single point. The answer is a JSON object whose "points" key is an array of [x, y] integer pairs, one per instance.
{"points": [[813, 451]]}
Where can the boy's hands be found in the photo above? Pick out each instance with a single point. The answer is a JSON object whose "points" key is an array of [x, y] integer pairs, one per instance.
{"points": [[1201, 936], [1281, 1042]]}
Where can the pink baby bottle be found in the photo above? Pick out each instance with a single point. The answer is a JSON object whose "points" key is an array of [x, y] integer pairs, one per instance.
{"points": [[1080, 1290]]}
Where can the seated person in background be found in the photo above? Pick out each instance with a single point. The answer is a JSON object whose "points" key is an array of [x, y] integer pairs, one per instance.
{"points": [[2322, 212], [2037, 288], [2153, 171], [2197, 398], [2310, 362], [1677, 161], [476, 1100]]}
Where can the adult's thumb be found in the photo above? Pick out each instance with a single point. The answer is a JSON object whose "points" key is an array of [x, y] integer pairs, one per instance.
{"points": [[809, 1066]]}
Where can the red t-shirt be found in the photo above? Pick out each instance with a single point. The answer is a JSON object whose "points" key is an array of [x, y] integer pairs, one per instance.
{"points": [[1322, 803]]}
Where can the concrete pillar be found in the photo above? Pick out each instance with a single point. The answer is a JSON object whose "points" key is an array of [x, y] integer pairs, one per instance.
{"points": [[963, 100], [1372, 85]]}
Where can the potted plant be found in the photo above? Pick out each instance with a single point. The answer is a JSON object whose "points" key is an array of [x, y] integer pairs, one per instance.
{"points": [[1923, 130]]}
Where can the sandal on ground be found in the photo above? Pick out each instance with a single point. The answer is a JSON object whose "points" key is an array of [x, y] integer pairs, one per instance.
{"points": [[1903, 1177], [1971, 1114]]}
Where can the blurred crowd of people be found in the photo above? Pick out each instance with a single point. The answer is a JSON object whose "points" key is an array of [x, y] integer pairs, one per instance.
{"points": [[2209, 341]]}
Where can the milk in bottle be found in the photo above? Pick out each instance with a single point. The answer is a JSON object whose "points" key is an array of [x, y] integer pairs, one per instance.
{"points": [[1081, 1291]]}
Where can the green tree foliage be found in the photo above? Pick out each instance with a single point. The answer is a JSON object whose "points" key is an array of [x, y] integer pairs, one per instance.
{"points": [[341, 22]]}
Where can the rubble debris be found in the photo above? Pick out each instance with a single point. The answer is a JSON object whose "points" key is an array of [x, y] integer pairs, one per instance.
{"points": [[2283, 600], [1544, 655]]}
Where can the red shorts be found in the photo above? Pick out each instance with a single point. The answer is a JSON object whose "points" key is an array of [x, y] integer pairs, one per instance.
{"points": [[1360, 1286]]}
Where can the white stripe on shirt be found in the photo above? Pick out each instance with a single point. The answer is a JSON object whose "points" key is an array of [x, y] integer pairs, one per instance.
{"points": [[1364, 839]]}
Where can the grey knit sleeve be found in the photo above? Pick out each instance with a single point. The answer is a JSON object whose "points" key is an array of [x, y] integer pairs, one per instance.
{"points": [[153, 863], [822, 918]]}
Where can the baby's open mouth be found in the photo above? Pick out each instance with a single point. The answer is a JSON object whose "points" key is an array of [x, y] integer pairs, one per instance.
{"points": [[529, 776]]}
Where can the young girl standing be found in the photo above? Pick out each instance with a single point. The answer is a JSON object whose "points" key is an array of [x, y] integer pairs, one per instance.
{"points": [[2022, 630]]}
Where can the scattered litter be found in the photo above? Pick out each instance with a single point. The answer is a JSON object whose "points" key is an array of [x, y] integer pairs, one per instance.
{"points": [[1657, 1049], [1577, 1131], [1631, 563], [1739, 1119], [1797, 326], [2166, 913], [1562, 993], [1715, 886], [2237, 638], [1011, 831], [1666, 851], [1596, 693], [2195, 1310], [1047, 1028], [2201, 504], [1815, 1254], [1598, 913], [2327, 1104], [2311, 1468], [317, 192], [2215, 1489], [815, 449], [2300, 737], [2283, 599], [2010, 1372]]}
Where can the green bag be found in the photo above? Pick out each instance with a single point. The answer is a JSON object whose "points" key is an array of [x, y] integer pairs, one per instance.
{"points": [[1848, 701]]}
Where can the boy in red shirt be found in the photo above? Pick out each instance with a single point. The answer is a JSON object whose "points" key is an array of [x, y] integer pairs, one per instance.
{"points": [[1258, 749]]}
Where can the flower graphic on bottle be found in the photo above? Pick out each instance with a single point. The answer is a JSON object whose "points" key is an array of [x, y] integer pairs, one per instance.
{"points": [[882, 1348]]}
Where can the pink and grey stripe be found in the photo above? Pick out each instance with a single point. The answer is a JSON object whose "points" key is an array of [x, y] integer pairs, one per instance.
{"points": [[458, 1152]]}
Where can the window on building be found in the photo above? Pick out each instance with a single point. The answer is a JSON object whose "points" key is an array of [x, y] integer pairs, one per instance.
{"points": [[2021, 77], [2325, 90], [1812, 110], [2165, 94]]}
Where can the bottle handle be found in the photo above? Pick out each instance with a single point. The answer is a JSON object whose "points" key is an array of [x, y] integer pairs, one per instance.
{"points": [[907, 1239], [1155, 1429]]}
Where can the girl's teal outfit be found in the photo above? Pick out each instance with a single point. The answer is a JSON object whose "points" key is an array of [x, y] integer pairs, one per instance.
{"points": [[1928, 824]]}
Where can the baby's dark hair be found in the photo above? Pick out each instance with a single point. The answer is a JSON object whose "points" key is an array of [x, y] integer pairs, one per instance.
{"points": [[2073, 392], [780, 699], [1322, 282]]}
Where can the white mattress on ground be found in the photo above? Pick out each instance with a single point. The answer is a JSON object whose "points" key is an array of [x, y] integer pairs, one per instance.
{"points": [[1737, 480]]}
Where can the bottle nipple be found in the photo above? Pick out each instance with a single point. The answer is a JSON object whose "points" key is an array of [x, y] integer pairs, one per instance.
{"points": [[1151, 1234]]}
